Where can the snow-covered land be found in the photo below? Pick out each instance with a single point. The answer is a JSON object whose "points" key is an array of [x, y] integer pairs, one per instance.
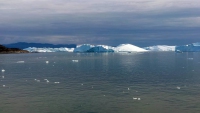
{"points": [[41, 50], [160, 48], [194, 47]]}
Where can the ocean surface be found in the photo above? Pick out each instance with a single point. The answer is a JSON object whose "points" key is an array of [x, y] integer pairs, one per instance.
{"points": [[150, 82]]}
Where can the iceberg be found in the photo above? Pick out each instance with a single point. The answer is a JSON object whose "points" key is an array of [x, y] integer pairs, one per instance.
{"points": [[41, 50], [93, 48], [128, 48], [101, 48], [160, 48], [194, 47], [90, 48], [83, 48]]}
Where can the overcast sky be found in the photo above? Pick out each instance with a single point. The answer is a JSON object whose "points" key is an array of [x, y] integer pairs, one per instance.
{"points": [[111, 22]]}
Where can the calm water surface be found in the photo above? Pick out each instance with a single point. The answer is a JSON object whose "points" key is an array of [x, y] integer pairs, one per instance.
{"points": [[165, 82]]}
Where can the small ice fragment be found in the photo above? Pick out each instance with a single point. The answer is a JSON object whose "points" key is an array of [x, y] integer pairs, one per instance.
{"points": [[192, 70], [135, 98], [38, 80], [46, 80], [3, 77], [4, 85], [56, 82], [139, 99], [178, 87], [20, 61], [128, 88], [190, 58], [3, 70], [35, 79], [74, 60], [104, 95], [82, 84], [47, 62]]}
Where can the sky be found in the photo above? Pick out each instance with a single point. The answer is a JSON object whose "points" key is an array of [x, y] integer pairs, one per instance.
{"points": [[109, 22]]}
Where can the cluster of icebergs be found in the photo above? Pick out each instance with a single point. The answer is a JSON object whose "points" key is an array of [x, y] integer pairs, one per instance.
{"points": [[121, 48]]}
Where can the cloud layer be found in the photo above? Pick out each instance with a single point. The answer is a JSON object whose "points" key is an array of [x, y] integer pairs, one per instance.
{"points": [[100, 22]]}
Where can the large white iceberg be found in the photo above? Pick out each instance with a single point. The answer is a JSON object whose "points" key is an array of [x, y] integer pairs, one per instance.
{"points": [[128, 48], [160, 48], [194, 47]]}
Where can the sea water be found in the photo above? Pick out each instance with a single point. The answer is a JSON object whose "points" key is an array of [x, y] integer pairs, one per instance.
{"points": [[150, 82]]}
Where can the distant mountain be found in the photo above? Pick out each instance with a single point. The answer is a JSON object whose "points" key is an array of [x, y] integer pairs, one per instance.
{"points": [[23, 45]]}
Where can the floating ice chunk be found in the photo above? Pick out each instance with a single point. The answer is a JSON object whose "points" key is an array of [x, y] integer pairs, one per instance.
{"points": [[190, 58], [47, 62], [46, 80], [37, 80], [178, 87], [82, 84], [74, 60], [20, 61], [3, 77], [3, 70], [128, 88], [4, 85], [56, 82], [135, 98]]}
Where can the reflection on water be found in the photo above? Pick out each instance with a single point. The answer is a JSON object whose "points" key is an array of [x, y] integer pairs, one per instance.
{"points": [[159, 82]]}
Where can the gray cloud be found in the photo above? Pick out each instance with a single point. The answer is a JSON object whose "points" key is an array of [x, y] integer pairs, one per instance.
{"points": [[144, 22]]}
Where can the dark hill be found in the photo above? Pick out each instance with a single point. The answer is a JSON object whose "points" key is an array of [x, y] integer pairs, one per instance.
{"points": [[5, 50]]}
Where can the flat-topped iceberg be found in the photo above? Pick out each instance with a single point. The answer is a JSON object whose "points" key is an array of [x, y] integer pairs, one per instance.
{"points": [[160, 48], [42, 50], [194, 47]]}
